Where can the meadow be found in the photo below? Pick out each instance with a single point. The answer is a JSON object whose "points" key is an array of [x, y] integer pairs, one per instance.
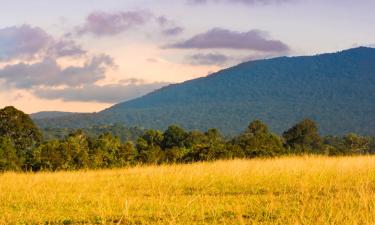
{"points": [[287, 190]]}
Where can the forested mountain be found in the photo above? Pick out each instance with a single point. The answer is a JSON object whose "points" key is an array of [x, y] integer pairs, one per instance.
{"points": [[336, 90], [49, 114]]}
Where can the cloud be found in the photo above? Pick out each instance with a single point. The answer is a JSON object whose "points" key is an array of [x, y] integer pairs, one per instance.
{"points": [[64, 48], [26, 42], [101, 23], [168, 26], [208, 59], [49, 73], [219, 38], [106, 24], [173, 31], [246, 2], [23, 42], [113, 93]]}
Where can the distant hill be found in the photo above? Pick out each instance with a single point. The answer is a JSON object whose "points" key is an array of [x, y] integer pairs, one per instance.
{"points": [[337, 90], [49, 114]]}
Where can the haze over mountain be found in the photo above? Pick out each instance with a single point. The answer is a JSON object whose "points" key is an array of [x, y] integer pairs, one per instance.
{"points": [[336, 90], [49, 114]]}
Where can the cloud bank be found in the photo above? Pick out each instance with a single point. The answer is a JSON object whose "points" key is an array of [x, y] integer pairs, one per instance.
{"points": [[49, 73]]}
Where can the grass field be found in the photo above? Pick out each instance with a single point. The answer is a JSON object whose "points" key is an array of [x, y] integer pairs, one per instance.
{"points": [[294, 190]]}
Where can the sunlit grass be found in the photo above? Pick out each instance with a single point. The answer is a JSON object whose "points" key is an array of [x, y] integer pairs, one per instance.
{"points": [[294, 190]]}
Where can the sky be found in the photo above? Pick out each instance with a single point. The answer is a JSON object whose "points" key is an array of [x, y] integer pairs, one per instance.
{"points": [[86, 55]]}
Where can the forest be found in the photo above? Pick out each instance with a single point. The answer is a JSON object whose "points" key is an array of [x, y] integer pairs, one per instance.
{"points": [[23, 147]]}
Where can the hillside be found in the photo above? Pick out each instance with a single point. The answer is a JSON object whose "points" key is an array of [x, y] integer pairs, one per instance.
{"points": [[336, 90], [49, 114]]}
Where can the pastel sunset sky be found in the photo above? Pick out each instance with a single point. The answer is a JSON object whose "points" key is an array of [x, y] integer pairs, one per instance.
{"points": [[86, 55]]}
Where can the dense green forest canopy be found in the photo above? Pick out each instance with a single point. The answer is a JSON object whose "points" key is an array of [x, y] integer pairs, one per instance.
{"points": [[22, 147], [335, 90]]}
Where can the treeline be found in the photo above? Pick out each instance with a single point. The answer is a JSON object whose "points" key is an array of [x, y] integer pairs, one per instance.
{"points": [[22, 147]]}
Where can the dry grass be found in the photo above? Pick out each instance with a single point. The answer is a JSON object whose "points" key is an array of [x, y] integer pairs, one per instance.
{"points": [[294, 190]]}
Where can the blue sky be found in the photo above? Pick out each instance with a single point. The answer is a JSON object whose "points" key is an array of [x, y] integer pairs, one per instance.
{"points": [[89, 54]]}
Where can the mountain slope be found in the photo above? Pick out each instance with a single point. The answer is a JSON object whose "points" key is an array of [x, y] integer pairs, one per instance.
{"points": [[49, 114], [336, 90]]}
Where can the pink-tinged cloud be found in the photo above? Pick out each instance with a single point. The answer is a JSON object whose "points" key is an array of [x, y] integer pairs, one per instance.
{"points": [[26, 42], [105, 24], [22, 42], [219, 38], [49, 73]]}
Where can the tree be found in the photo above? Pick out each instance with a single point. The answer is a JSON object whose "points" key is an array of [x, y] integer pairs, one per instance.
{"points": [[148, 146], [356, 144], [104, 151], [303, 137], [256, 141], [126, 155], [50, 156], [8, 155], [21, 131], [174, 136], [207, 146], [77, 150]]}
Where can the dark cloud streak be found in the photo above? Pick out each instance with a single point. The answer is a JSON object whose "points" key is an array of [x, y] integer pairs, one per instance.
{"points": [[208, 59], [246, 2], [219, 38]]}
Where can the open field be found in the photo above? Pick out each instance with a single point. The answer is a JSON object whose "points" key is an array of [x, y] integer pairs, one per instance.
{"points": [[294, 190]]}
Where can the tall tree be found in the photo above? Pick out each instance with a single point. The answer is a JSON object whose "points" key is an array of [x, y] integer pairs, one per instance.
{"points": [[303, 136], [148, 146], [258, 141], [174, 136], [21, 131]]}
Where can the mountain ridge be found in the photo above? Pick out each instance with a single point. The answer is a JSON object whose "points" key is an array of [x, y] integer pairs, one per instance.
{"points": [[335, 89]]}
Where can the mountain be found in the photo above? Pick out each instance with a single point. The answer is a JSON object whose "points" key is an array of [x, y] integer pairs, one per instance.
{"points": [[337, 90], [49, 114]]}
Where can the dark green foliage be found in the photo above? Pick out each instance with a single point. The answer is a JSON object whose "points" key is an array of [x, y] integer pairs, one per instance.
{"points": [[350, 144], [174, 136], [303, 137], [257, 141], [336, 90], [21, 131], [118, 130], [208, 146], [148, 146], [8, 156]]}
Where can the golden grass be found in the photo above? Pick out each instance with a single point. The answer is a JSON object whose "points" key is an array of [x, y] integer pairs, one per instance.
{"points": [[292, 190]]}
